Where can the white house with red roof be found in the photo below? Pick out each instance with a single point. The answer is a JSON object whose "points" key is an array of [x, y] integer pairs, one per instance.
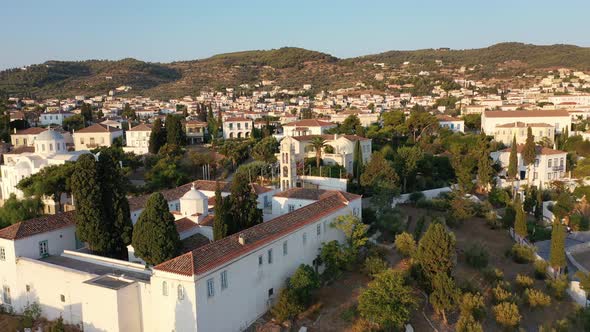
{"points": [[549, 166], [237, 127], [137, 139], [95, 136], [41, 261], [451, 123], [559, 119], [506, 133], [307, 127]]}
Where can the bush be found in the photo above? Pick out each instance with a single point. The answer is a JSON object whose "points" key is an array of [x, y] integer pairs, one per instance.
{"points": [[507, 314], [287, 306], [523, 281], [468, 323], [416, 196], [541, 269], [472, 305], [499, 197], [349, 314], [58, 326], [405, 244], [32, 311], [493, 275], [536, 298], [375, 265], [509, 217], [522, 253], [501, 294], [492, 220], [476, 256], [419, 227], [557, 286]]}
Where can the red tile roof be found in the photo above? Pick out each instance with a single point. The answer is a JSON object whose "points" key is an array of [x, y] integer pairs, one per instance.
{"points": [[237, 119], [309, 123], [39, 225], [30, 131], [541, 150], [327, 137], [142, 127], [98, 128], [314, 194], [184, 224], [216, 253]]}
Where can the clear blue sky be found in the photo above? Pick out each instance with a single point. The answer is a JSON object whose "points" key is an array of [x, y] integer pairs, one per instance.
{"points": [[33, 31]]}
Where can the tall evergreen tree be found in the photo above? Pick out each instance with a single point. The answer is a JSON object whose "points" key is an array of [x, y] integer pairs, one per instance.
{"points": [[529, 152], [244, 211], [157, 136], [211, 123], [86, 112], [90, 216], [436, 251], [220, 227], [557, 253], [175, 134], [520, 227], [445, 295], [513, 160], [357, 162], [484, 164], [539, 201], [115, 203], [155, 238]]}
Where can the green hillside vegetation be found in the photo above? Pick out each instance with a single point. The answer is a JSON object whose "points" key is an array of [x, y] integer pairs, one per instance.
{"points": [[289, 67]]}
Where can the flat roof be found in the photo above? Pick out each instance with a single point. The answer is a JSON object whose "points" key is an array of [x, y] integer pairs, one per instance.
{"points": [[109, 281], [94, 268]]}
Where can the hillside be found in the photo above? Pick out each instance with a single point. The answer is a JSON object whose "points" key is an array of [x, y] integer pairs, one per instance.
{"points": [[289, 67]]}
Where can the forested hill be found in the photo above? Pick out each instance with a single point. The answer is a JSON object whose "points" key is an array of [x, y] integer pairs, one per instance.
{"points": [[289, 67]]}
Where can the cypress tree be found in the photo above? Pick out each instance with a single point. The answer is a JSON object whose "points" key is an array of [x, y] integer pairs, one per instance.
{"points": [[557, 253], [529, 152], [115, 203], [484, 164], [157, 136], [175, 134], [155, 238], [520, 227], [445, 294], [513, 160], [220, 227], [539, 207], [436, 251], [243, 205], [357, 161], [86, 190]]}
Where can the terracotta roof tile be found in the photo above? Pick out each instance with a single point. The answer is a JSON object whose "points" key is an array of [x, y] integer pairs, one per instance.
{"points": [[525, 114], [98, 128], [39, 225], [309, 123]]}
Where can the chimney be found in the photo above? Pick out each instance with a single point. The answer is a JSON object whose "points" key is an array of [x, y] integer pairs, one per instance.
{"points": [[335, 136], [242, 239]]}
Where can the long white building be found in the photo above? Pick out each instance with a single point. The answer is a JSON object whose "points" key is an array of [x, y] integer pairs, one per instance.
{"points": [[559, 119], [220, 286]]}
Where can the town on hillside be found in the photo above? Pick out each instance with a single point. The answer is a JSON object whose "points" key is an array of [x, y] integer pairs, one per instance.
{"points": [[438, 203]]}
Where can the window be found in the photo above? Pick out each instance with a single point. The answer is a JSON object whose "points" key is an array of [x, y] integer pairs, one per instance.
{"points": [[164, 288], [304, 238], [260, 260], [285, 249], [271, 291], [2, 254], [535, 175], [81, 140], [62, 298], [43, 249], [291, 207], [210, 288], [269, 256], [549, 162], [319, 229], [28, 288], [180, 292], [6, 295], [223, 280]]}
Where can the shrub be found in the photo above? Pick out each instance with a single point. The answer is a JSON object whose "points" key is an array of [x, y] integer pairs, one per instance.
{"points": [[32, 311], [472, 305], [492, 220], [287, 306], [419, 227], [405, 244], [501, 294], [493, 275], [536, 298], [303, 282], [522, 253], [541, 269], [557, 286], [416, 196], [349, 314], [524, 281], [509, 217], [468, 323], [27, 322], [499, 197], [58, 325], [476, 256], [507, 314], [375, 265]]}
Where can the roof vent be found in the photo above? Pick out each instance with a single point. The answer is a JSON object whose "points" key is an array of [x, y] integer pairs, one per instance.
{"points": [[242, 239]]}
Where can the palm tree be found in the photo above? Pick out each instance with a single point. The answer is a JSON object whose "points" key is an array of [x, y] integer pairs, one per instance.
{"points": [[318, 144]]}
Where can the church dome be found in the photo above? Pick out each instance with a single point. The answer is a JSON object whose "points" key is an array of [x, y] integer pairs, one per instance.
{"points": [[194, 194], [49, 135]]}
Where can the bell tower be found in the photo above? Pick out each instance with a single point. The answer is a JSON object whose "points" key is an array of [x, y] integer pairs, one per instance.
{"points": [[288, 166]]}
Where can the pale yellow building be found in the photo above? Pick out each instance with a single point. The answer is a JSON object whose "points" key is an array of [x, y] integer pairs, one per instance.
{"points": [[96, 136], [505, 133]]}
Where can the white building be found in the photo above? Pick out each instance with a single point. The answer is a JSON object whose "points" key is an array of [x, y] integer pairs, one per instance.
{"points": [[96, 136], [366, 118], [235, 127], [50, 149], [293, 150], [507, 132], [26, 137], [549, 166], [56, 118], [559, 119], [137, 139], [307, 127], [451, 123], [242, 274]]}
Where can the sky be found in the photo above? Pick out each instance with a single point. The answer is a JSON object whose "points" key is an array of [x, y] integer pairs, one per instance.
{"points": [[34, 31]]}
